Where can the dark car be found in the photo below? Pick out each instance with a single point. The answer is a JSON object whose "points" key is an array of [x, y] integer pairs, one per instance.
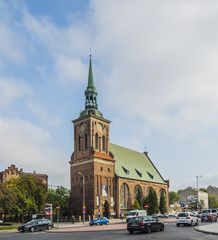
{"points": [[99, 221], [145, 224], [36, 225]]}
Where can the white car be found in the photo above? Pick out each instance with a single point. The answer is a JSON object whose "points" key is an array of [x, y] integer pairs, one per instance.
{"points": [[186, 218]]}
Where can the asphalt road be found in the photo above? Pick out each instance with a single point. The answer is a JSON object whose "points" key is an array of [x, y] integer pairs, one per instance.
{"points": [[171, 232]]}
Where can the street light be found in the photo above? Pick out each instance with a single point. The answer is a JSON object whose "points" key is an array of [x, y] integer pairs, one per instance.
{"points": [[84, 199], [197, 190], [51, 199]]}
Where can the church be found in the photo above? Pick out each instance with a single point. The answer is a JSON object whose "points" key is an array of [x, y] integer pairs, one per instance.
{"points": [[106, 178]]}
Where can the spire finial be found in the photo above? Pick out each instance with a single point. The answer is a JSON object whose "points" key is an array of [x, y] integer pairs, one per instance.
{"points": [[90, 51]]}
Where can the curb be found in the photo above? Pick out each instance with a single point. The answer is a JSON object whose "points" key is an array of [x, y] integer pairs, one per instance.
{"points": [[205, 231]]}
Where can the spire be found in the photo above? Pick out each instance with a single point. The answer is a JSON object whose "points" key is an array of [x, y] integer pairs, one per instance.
{"points": [[91, 84]]}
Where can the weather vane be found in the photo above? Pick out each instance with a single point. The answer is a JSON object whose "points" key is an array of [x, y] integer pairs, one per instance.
{"points": [[90, 50]]}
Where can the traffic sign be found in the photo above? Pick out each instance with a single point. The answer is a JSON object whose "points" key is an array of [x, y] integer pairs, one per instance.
{"points": [[182, 204], [58, 207], [146, 205]]}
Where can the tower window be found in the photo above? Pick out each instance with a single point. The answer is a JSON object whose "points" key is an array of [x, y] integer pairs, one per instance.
{"points": [[101, 168], [86, 141], [108, 170], [96, 140], [103, 143], [79, 143]]}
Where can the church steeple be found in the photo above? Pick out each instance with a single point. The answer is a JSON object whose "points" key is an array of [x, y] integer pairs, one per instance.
{"points": [[91, 105], [91, 93]]}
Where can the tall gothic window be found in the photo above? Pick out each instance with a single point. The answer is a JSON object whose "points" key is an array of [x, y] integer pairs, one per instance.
{"points": [[103, 143], [96, 141], [79, 143], [124, 196], [86, 141]]}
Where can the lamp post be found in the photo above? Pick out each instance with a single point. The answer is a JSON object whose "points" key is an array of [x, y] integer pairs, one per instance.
{"points": [[197, 190], [51, 199], [84, 198]]}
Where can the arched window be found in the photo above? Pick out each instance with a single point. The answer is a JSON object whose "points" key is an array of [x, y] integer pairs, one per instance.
{"points": [[79, 143], [124, 196], [138, 194], [96, 140], [86, 141], [103, 143]]}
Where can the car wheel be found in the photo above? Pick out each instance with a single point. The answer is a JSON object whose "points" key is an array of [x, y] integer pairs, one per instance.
{"points": [[149, 230], [162, 228], [97, 223], [49, 228], [131, 232], [197, 223], [107, 223], [32, 229], [90, 224], [177, 224]]}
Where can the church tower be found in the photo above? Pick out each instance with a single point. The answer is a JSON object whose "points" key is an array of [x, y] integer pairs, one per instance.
{"points": [[91, 160]]}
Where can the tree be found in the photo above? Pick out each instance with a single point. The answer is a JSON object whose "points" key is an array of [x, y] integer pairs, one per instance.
{"points": [[8, 200], [162, 206], [60, 196], [136, 205], [212, 202], [152, 201], [203, 190], [173, 197]]}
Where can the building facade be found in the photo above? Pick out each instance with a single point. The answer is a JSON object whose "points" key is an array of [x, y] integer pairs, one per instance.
{"points": [[14, 172], [213, 191], [111, 176], [190, 195]]}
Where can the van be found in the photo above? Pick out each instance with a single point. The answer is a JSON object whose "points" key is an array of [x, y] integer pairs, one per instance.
{"points": [[135, 213], [213, 211]]}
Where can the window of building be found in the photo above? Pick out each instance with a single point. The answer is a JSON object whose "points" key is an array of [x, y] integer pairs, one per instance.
{"points": [[79, 143], [125, 170], [101, 168], [139, 173], [86, 141], [108, 170], [96, 140], [103, 143], [150, 175]]}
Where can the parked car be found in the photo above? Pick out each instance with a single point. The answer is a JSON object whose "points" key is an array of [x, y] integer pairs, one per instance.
{"points": [[36, 224], [186, 218], [157, 215], [144, 224], [136, 213], [99, 221], [1, 221], [209, 217]]}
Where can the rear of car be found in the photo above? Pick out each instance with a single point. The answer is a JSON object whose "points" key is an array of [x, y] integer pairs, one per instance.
{"points": [[144, 224], [186, 218]]}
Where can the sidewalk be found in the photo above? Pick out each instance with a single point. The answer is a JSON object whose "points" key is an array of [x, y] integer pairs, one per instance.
{"points": [[211, 228]]}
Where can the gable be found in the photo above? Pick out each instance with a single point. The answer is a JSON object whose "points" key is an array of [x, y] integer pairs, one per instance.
{"points": [[134, 165]]}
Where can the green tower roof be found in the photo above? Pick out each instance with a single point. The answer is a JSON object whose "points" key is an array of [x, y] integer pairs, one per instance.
{"points": [[91, 105]]}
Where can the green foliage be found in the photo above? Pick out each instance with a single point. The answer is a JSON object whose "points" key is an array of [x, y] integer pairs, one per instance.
{"points": [[162, 206], [152, 202], [203, 190], [213, 203], [173, 197], [23, 195], [136, 205], [60, 196]]}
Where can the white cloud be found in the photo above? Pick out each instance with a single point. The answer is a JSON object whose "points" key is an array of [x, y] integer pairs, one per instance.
{"points": [[29, 146], [11, 89], [45, 116]]}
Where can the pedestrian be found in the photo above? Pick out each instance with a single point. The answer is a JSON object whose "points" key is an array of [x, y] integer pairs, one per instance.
{"points": [[99, 214], [121, 216], [73, 219]]}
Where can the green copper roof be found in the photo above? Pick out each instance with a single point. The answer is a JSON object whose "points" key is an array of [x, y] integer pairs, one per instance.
{"points": [[91, 105], [134, 165]]}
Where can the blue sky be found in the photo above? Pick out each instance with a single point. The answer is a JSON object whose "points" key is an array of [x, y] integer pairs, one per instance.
{"points": [[155, 70]]}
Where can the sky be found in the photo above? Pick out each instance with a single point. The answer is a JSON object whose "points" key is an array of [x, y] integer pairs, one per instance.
{"points": [[155, 66]]}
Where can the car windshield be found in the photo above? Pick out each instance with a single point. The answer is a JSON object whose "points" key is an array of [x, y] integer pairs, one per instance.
{"points": [[32, 222], [147, 219], [183, 215], [137, 219], [213, 211], [132, 214], [97, 219]]}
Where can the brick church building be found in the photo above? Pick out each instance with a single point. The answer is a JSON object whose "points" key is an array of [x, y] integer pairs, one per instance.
{"points": [[111, 176]]}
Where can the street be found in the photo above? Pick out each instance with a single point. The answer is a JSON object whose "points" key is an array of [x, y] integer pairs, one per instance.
{"points": [[171, 232]]}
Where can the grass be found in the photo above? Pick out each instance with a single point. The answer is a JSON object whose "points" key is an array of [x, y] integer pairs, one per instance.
{"points": [[8, 227]]}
